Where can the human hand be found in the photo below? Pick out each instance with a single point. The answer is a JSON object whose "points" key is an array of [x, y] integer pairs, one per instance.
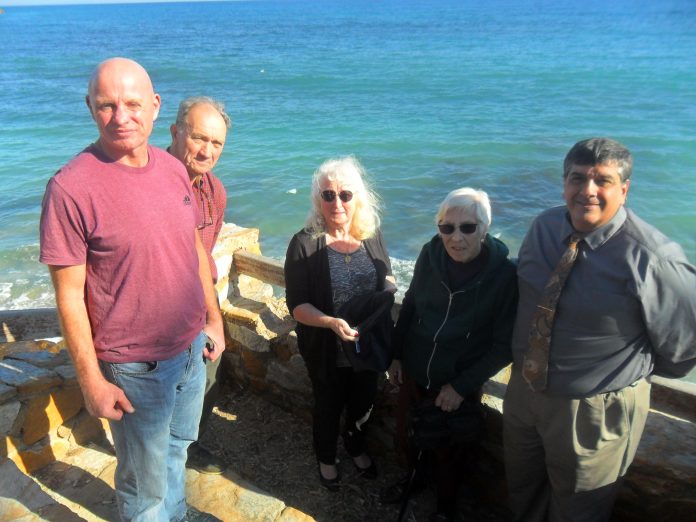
{"points": [[448, 399], [395, 373], [343, 330], [103, 399], [390, 284], [216, 337]]}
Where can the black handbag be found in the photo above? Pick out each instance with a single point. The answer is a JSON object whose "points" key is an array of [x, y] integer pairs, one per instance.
{"points": [[431, 428], [370, 314]]}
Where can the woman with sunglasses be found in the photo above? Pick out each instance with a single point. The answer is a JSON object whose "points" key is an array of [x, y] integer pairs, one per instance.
{"points": [[338, 255], [453, 334]]}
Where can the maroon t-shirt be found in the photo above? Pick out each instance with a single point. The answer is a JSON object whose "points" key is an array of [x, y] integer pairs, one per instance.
{"points": [[134, 230]]}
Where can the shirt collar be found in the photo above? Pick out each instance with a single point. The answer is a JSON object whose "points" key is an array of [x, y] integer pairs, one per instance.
{"points": [[597, 237]]}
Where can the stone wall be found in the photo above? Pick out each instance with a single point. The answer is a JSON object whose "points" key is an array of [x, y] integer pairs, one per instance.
{"points": [[41, 407], [42, 415], [262, 354]]}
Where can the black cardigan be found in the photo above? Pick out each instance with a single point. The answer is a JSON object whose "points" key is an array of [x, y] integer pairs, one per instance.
{"points": [[308, 280]]}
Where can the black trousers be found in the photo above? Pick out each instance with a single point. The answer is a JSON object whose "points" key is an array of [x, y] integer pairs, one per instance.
{"points": [[446, 466], [346, 390]]}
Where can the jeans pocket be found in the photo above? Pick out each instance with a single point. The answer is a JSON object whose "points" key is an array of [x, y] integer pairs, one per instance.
{"points": [[134, 368]]}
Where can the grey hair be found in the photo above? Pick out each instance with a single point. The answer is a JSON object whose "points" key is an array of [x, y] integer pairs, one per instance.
{"points": [[469, 199], [346, 170], [599, 151], [189, 103]]}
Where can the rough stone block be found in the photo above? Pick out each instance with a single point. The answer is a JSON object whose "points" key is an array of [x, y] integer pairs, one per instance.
{"points": [[22, 496], [46, 412], [285, 346], [19, 347], [259, 385], [19, 325], [91, 459], [255, 363], [40, 455], [8, 415], [256, 505], [68, 374], [7, 392], [251, 287], [290, 514], [43, 359], [8, 446], [231, 498], [282, 351], [249, 339], [83, 429], [241, 315], [25, 377], [233, 237], [291, 376]]}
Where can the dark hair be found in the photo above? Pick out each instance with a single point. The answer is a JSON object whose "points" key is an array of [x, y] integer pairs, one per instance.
{"points": [[599, 151]]}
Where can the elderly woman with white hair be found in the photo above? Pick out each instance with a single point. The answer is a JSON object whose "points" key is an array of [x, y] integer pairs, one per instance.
{"points": [[453, 333], [338, 255]]}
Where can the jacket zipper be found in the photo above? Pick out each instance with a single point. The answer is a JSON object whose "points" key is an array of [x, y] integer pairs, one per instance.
{"points": [[432, 354]]}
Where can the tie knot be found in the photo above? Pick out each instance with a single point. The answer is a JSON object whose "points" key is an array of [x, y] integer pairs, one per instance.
{"points": [[575, 238]]}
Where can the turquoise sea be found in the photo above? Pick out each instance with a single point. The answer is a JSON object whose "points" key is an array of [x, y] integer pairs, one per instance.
{"points": [[430, 96]]}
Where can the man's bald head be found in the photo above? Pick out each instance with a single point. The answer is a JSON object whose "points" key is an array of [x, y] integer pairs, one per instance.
{"points": [[118, 66], [124, 106]]}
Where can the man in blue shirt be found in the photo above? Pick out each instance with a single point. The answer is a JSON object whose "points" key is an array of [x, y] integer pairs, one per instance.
{"points": [[627, 310]]}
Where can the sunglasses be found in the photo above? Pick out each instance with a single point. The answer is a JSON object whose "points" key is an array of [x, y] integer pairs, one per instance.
{"points": [[464, 228], [330, 195]]}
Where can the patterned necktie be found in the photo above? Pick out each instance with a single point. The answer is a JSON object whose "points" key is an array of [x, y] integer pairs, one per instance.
{"points": [[536, 360]]}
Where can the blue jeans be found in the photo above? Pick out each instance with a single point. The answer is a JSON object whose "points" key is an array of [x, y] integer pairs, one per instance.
{"points": [[151, 443]]}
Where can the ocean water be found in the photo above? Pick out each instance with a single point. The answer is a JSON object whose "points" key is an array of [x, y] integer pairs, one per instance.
{"points": [[430, 96]]}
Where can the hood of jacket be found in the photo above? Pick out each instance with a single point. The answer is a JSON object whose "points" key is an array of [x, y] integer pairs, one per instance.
{"points": [[497, 255]]}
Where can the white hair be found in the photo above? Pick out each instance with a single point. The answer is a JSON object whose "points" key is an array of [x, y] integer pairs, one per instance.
{"points": [[470, 199], [346, 170]]}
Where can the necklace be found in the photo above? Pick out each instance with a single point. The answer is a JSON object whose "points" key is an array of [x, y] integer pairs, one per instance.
{"points": [[346, 258]]}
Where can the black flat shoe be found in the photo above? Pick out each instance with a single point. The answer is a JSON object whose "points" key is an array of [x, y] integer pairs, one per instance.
{"points": [[333, 484], [369, 472]]}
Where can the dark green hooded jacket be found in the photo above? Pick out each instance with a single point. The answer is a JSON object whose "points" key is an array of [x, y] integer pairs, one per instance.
{"points": [[461, 337]]}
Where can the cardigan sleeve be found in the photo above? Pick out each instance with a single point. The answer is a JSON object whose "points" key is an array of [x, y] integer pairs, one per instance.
{"points": [[297, 275], [385, 254], [378, 253]]}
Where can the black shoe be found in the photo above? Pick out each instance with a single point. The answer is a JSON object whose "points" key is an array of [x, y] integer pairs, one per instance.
{"points": [[203, 461], [369, 472], [395, 493], [332, 484]]}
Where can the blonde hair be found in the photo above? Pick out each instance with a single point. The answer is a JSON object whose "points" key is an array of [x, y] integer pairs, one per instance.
{"points": [[470, 199], [349, 171]]}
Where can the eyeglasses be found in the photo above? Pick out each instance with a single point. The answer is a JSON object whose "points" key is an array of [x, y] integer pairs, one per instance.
{"points": [[330, 195], [464, 228], [205, 202]]}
